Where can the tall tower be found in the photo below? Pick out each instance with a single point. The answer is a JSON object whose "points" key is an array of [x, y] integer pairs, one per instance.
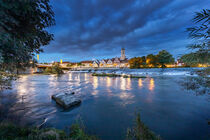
{"points": [[122, 54]]}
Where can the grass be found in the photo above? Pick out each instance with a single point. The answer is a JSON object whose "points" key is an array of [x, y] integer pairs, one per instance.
{"points": [[140, 131], [106, 74], [10, 131], [133, 76]]}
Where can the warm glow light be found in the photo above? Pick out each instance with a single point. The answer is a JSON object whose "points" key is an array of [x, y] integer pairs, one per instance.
{"points": [[151, 84], [22, 87], [108, 82], [70, 76], [37, 57], [140, 83], [128, 83], [202, 65], [86, 77], [123, 83], [95, 82]]}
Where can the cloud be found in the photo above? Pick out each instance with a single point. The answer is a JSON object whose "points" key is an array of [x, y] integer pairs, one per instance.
{"points": [[88, 29]]}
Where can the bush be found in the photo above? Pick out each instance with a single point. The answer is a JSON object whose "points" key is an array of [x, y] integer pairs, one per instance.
{"points": [[5, 80], [140, 131], [10, 131], [54, 70]]}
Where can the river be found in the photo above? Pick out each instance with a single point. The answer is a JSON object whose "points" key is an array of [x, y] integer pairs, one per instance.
{"points": [[109, 104]]}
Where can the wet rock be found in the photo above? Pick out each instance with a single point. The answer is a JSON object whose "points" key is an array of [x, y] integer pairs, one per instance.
{"points": [[66, 100]]}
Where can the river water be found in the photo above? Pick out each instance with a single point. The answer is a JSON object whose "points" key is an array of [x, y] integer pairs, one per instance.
{"points": [[109, 104]]}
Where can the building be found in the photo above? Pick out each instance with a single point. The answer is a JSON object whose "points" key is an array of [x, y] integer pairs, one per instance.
{"points": [[115, 62], [122, 54], [96, 63], [86, 64]]}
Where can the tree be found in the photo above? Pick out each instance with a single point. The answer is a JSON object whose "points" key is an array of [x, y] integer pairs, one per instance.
{"points": [[22, 31], [151, 60], [143, 61], [164, 57], [55, 69], [201, 34], [193, 59], [135, 62]]}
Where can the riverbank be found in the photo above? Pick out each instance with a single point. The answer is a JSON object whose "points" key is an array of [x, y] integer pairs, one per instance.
{"points": [[10, 131]]}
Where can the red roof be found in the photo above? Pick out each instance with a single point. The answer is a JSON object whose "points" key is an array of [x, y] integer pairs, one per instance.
{"points": [[86, 61]]}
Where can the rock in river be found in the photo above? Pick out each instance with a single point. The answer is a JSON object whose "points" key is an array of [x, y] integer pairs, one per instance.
{"points": [[66, 100]]}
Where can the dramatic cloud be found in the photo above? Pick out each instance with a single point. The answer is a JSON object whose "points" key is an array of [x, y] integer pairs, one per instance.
{"points": [[87, 29]]}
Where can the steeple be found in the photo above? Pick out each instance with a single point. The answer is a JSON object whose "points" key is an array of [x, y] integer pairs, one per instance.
{"points": [[122, 54]]}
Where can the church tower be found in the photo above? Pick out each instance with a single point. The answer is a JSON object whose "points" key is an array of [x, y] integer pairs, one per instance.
{"points": [[122, 54]]}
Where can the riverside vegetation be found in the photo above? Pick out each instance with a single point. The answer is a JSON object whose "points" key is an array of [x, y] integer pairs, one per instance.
{"points": [[55, 69], [9, 131]]}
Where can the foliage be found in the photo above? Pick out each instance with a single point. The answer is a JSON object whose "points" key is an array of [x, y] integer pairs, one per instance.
{"points": [[10, 131], [70, 65], [193, 59], [78, 133], [140, 131], [164, 57], [201, 33], [106, 74], [151, 60], [5, 80], [133, 76], [55, 69], [143, 61], [22, 26], [135, 62], [79, 64]]}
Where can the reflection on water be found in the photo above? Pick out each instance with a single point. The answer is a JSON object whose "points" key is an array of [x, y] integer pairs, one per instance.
{"points": [[128, 83], [151, 84], [109, 104], [108, 82], [70, 76], [140, 82], [86, 76], [95, 82], [125, 83], [22, 86]]}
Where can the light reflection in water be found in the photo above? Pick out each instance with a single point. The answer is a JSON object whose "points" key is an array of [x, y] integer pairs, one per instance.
{"points": [[128, 83], [86, 76], [70, 76], [108, 82], [52, 81], [123, 83], [22, 87], [151, 84], [95, 82], [140, 82]]}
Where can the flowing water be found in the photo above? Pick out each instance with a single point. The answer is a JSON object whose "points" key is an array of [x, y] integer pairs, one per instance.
{"points": [[109, 105]]}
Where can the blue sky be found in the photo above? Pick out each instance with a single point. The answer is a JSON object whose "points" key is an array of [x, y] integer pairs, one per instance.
{"points": [[88, 29]]}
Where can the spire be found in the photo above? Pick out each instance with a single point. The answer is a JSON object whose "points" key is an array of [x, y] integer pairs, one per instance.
{"points": [[122, 54]]}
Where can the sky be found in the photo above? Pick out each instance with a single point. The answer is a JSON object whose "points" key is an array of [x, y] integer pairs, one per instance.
{"points": [[98, 29]]}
